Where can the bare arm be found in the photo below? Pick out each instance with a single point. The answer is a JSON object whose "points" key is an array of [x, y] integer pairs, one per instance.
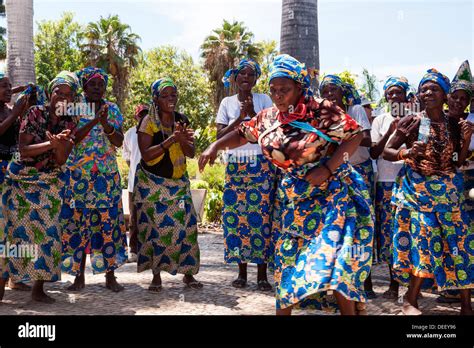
{"points": [[229, 141]]}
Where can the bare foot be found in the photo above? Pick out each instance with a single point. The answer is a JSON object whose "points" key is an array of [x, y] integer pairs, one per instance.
{"points": [[42, 297], [18, 286], [155, 285], [409, 309], [79, 283], [112, 284], [191, 282]]}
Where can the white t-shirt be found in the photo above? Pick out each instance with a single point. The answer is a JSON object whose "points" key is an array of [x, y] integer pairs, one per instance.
{"points": [[131, 152], [229, 111], [387, 171], [357, 112]]}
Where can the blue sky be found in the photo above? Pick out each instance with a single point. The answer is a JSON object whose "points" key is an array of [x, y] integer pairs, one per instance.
{"points": [[387, 37]]}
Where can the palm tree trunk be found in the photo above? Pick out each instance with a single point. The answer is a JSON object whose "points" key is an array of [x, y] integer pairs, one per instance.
{"points": [[20, 48], [299, 31]]}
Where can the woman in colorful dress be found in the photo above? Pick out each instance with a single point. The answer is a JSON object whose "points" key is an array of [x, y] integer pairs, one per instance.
{"points": [[92, 213], [432, 244], [458, 100], [324, 251], [383, 127], [33, 193], [249, 190], [167, 223], [10, 119], [347, 98]]}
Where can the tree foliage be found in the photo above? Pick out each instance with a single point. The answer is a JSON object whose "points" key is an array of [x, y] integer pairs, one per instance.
{"points": [[223, 49], [193, 87], [57, 47], [112, 46]]}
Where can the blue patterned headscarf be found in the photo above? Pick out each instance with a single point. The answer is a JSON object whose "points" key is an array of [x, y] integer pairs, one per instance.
{"points": [[435, 76], [285, 65], [87, 74], [396, 81], [160, 84], [349, 92], [64, 78], [40, 94], [244, 63]]}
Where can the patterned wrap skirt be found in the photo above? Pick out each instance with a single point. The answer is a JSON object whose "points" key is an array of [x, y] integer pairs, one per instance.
{"points": [[93, 220], [366, 169], [249, 193], [32, 203], [3, 171], [431, 236], [167, 224], [326, 241], [384, 211]]}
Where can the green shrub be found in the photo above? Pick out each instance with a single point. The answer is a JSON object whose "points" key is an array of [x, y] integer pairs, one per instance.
{"points": [[123, 169], [214, 206]]}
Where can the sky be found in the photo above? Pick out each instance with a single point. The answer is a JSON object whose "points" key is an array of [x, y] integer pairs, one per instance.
{"points": [[386, 37]]}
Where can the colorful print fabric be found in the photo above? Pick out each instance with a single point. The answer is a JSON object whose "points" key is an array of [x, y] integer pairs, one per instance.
{"points": [[95, 153], [297, 149], [431, 239], [366, 169], [244, 63], [167, 224], [435, 76], [94, 190], [92, 219], [286, 66], [36, 122], [249, 194], [32, 203], [326, 241], [384, 211]]}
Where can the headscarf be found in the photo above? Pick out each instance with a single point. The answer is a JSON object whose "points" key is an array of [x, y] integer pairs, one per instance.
{"points": [[401, 81], [244, 63], [435, 76], [89, 73], [64, 78], [140, 108], [41, 97], [285, 65], [350, 95], [156, 88], [160, 84], [463, 79]]}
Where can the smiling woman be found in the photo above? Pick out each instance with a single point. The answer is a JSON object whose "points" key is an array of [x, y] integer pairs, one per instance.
{"points": [[430, 230]]}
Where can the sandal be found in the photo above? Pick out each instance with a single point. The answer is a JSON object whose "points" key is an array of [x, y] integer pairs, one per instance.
{"points": [[194, 284], [370, 294], [239, 283], [264, 285], [448, 299], [18, 286], [390, 294]]}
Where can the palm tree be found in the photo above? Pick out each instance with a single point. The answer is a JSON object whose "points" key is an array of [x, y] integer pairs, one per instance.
{"points": [[3, 31], [299, 31], [20, 48], [112, 46], [223, 49]]}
